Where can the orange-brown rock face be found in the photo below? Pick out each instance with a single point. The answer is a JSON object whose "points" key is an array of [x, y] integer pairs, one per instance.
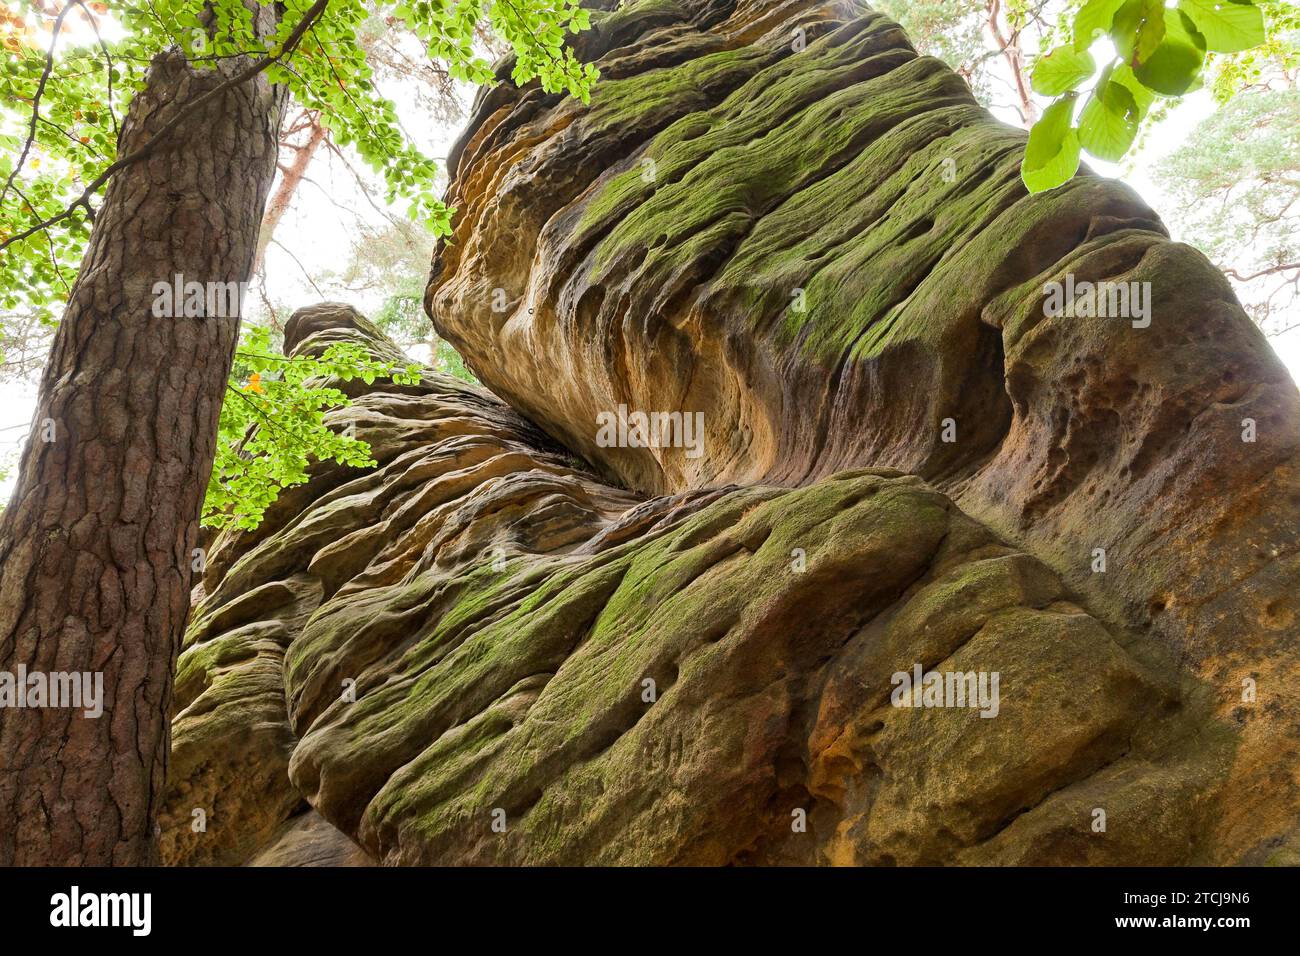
{"points": [[523, 639], [779, 215]]}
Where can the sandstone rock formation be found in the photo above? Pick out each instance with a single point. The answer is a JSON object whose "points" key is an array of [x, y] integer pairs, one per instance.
{"points": [[778, 215]]}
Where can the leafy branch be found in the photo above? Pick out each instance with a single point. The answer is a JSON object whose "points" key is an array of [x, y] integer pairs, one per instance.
{"points": [[271, 435], [147, 150], [1159, 52]]}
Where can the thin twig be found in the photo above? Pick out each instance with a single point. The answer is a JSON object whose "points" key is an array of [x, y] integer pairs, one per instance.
{"points": [[108, 57], [36, 103], [305, 273]]}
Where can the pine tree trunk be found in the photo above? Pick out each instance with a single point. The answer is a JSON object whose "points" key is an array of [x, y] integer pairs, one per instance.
{"points": [[95, 547], [289, 183]]}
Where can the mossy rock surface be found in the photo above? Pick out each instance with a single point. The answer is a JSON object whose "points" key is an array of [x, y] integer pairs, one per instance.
{"points": [[778, 215], [504, 660]]}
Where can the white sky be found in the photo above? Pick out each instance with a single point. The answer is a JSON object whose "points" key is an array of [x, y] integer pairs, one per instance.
{"points": [[320, 235]]}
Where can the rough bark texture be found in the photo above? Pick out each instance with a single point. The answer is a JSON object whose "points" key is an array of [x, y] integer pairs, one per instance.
{"points": [[462, 635], [95, 547]]}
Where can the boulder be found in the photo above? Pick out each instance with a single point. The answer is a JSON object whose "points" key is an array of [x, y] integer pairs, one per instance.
{"points": [[523, 638]]}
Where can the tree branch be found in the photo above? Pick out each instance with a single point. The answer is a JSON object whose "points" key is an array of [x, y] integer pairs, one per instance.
{"points": [[36, 103], [148, 148], [1271, 270]]}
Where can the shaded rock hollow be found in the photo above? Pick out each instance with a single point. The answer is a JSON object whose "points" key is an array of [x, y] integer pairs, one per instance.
{"points": [[778, 215]]}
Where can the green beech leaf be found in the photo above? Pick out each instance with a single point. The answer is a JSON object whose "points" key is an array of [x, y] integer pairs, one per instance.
{"points": [[1175, 65], [1094, 19], [1138, 29], [1227, 27], [1143, 97], [1062, 69], [1109, 121], [1052, 153]]}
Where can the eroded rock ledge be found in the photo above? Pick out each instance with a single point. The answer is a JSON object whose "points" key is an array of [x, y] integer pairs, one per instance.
{"points": [[498, 591], [499, 612]]}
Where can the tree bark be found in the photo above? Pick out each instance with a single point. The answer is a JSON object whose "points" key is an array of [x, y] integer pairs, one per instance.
{"points": [[95, 548], [289, 183]]}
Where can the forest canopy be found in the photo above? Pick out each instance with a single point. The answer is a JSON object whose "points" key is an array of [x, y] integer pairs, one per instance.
{"points": [[70, 71]]}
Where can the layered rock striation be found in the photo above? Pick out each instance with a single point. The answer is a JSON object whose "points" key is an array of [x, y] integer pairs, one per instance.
{"points": [[511, 642]]}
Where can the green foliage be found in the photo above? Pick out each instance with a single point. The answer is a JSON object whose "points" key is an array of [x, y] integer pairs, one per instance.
{"points": [[450, 362], [952, 30], [1160, 52], [1052, 153], [1062, 69], [1109, 121], [1093, 20], [273, 424], [1137, 29], [1174, 64], [402, 318], [1278, 55], [1227, 27], [84, 89], [66, 81]]}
